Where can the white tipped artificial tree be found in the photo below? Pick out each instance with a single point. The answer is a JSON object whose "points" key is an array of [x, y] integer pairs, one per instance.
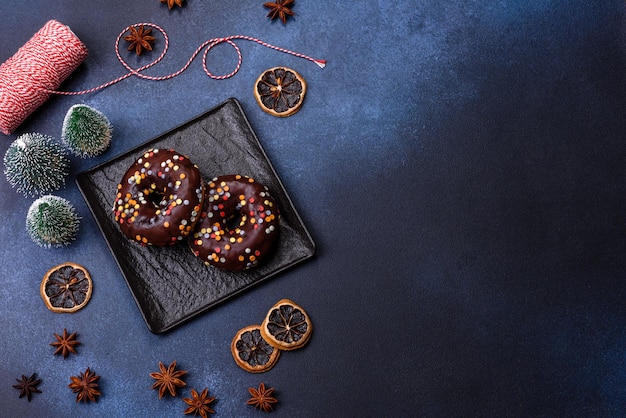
{"points": [[52, 221], [36, 164], [86, 131]]}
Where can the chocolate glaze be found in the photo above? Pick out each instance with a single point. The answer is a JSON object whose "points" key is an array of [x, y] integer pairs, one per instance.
{"points": [[238, 225], [159, 199]]}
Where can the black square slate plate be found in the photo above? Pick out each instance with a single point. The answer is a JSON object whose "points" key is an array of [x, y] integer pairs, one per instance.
{"points": [[171, 285]]}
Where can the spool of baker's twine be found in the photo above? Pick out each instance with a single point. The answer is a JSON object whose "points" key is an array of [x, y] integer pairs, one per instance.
{"points": [[38, 68]]}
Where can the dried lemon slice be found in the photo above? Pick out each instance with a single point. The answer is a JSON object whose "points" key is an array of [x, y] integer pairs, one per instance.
{"points": [[280, 91], [286, 326], [66, 288], [251, 352]]}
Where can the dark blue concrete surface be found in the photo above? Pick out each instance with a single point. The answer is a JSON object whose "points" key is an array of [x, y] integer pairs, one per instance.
{"points": [[460, 165]]}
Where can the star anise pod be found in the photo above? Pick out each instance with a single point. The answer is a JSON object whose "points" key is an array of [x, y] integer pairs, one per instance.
{"points": [[28, 385], [199, 404], [262, 398], [65, 343], [170, 3], [85, 385], [168, 379], [280, 9], [140, 38]]}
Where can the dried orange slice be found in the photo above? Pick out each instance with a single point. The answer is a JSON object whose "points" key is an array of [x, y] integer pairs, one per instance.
{"points": [[66, 288], [280, 91], [251, 352], [286, 326]]}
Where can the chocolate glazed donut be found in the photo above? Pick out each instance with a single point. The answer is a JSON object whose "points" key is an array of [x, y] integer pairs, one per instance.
{"points": [[238, 226], [159, 199]]}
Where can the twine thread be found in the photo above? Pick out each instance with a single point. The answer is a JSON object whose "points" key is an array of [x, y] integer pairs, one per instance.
{"points": [[39, 67]]}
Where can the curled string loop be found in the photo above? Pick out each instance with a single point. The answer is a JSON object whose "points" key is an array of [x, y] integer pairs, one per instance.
{"points": [[206, 46]]}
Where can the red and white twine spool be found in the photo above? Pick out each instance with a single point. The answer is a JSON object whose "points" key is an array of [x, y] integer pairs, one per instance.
{"points": [[39, 67]]}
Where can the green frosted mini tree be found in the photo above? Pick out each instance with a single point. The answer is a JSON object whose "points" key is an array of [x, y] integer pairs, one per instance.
{"points": [[52, 221], [86, 131], [36, 164]]}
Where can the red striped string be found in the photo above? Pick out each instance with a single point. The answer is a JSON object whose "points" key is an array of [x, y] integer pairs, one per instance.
{"points": [[38, 68], [206, 46]]}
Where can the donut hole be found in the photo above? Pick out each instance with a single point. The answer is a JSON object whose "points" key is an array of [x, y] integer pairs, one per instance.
{"points": [[234, 221], [157, 198]]}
